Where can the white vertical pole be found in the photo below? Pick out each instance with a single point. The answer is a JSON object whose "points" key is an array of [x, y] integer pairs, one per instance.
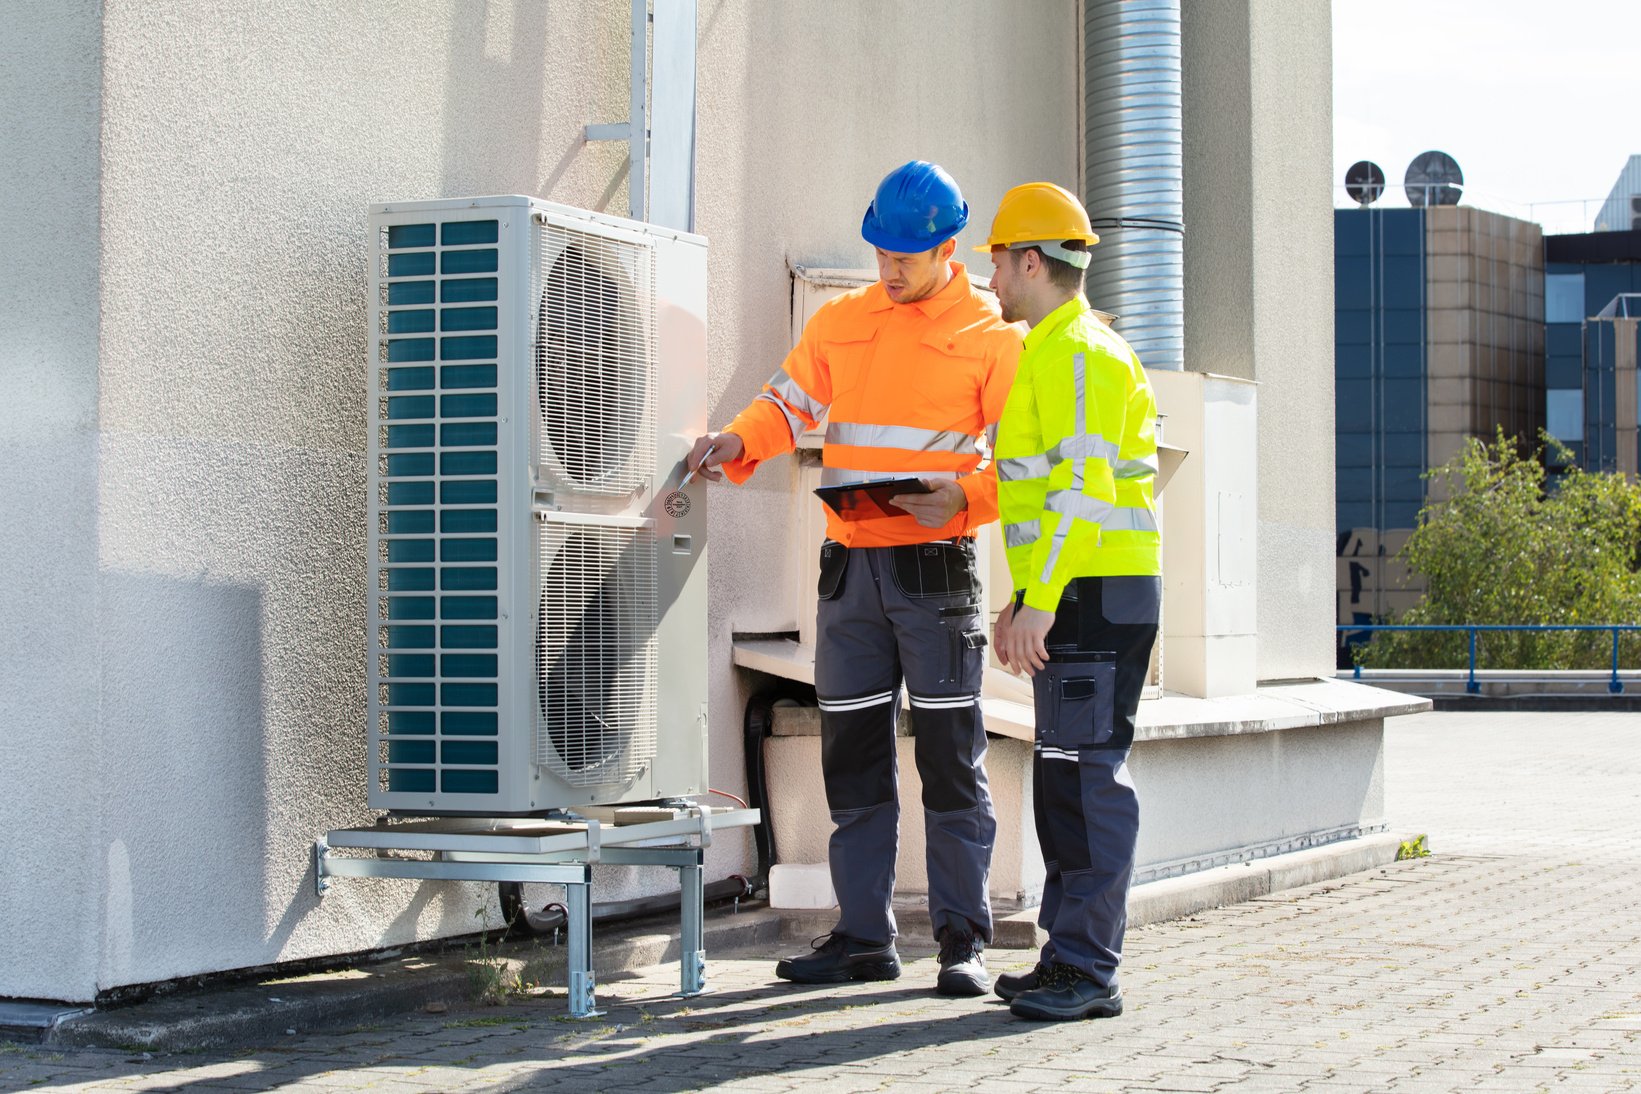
{"points": [[638, 138]]}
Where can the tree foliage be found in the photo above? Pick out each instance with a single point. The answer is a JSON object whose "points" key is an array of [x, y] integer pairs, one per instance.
{"points": [[1505, 547]]}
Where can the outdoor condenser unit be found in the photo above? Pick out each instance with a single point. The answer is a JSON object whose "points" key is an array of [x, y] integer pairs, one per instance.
{"points": [[537, 580]]}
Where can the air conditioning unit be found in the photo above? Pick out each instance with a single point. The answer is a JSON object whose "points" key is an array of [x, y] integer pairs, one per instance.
{"points": [[536, 624]]}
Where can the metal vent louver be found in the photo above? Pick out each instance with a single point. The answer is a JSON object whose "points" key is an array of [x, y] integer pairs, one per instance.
{"points": [[595, 361], [596, 652]]}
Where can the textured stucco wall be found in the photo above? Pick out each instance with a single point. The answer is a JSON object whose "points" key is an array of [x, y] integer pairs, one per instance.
{"points": [[1259, 286], [239, 154], [190, 334], [50, 76]]}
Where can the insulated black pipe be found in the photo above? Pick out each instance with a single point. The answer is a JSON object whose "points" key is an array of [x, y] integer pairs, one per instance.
{"points": [[533, 921], [757, 726]]}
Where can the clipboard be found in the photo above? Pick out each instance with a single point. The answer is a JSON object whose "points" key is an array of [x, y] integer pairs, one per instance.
{"points": [[869, 500]]}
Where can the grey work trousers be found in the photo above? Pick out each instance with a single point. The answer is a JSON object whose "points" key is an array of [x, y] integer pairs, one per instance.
{"points": [[1086, 808], [888, 614]]}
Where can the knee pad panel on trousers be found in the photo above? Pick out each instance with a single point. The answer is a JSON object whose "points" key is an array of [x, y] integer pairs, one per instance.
{"points": [[1059, 789], [949, 746], [858, 756]]}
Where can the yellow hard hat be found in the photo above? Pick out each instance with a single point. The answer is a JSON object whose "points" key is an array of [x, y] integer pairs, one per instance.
{"points": [[1036, 212]]}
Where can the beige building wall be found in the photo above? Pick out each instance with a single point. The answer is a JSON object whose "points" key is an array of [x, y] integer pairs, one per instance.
{"points": [[1259, 288], [1626, 398], [187, 328], [1484, 281]]}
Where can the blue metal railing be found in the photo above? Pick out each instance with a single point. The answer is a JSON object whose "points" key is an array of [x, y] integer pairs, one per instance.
{"points": [[1614, 685]]}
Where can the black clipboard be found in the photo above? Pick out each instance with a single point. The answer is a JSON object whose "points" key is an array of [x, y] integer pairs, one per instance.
{"points": [[869, 500]]}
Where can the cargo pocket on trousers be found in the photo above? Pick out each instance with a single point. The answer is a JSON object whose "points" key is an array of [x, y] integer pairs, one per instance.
{"points": [[965, 643], [834, 559], [1076, 700]]}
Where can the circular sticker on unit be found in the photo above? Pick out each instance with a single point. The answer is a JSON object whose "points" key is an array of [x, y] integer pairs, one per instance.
{"points": [[677, 504]]}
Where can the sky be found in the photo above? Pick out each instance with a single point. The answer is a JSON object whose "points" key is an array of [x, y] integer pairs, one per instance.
{"points": [[1539, 101]]}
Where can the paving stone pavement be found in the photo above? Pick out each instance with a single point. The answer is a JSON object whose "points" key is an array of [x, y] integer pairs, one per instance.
{"points": [[1508, 960]]}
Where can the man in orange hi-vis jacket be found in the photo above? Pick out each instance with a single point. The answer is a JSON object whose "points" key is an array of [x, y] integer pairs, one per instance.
{"points": [[910, 372]]}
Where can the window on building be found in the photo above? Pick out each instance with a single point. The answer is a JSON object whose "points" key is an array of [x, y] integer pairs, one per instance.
{"points": [[1564, 414], [1564, 298]]}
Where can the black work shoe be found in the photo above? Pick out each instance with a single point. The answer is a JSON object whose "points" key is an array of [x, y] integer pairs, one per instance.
{"points": [[962, 964], [1067, 994], [1010, 984], [838, 959]]}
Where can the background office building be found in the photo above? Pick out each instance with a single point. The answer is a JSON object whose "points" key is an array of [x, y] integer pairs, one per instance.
{"points": [[1592, 297], [1439, 337]]}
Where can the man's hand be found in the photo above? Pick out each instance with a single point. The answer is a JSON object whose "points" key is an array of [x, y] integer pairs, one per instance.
{"points": [[937, 508], [1000, 633], [723, 447], [1020, 635]]}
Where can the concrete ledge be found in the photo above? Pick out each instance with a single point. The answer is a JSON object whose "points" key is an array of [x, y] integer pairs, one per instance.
{"points": [[1268, 709], [1271, 708]]}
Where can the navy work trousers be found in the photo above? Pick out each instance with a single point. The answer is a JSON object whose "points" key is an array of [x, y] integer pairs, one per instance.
{"points": [[1087, 811], [887, 615]]}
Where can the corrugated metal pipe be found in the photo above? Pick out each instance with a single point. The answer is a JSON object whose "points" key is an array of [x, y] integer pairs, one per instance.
{"points": [[1134, 172]]}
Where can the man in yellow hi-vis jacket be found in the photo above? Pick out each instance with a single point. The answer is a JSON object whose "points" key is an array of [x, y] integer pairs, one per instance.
{"points": [[1076, 458]]}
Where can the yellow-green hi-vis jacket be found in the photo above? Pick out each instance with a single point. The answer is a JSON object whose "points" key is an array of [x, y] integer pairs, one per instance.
{"points": [[1076, 459]]}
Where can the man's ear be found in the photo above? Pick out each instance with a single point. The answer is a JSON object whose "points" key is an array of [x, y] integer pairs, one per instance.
{"points": [[946, 250]]}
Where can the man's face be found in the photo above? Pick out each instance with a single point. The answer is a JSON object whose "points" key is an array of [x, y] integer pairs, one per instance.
{"points": [[1007, 281], [909, 277]]}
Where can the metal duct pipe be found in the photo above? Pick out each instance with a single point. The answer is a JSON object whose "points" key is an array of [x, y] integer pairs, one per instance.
{"points": [[1134, 172]]}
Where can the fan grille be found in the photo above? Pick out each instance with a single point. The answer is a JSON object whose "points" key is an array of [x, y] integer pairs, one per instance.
{"points": [[595, 361], [595, 653]]}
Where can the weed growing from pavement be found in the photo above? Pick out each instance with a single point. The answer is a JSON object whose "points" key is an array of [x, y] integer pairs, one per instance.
{"points": [[492, 977], [478, 1023], [1412, 848]]}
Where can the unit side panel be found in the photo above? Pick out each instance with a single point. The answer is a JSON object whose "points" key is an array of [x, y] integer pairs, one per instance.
{"points": [[681, 518]]}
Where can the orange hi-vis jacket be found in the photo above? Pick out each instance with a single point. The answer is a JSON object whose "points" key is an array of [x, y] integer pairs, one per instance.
{"points": [[909, 390]]}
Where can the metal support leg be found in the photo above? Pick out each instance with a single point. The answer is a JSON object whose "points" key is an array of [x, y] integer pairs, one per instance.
{"points": [[692, 955], [578, 903]]}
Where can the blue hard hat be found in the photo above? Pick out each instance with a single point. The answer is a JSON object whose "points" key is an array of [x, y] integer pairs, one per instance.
{"points": [[917, 208]]}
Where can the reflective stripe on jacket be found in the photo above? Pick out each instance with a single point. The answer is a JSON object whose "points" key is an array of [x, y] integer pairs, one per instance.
{"points": [[1076, 459], [908, 390]]}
